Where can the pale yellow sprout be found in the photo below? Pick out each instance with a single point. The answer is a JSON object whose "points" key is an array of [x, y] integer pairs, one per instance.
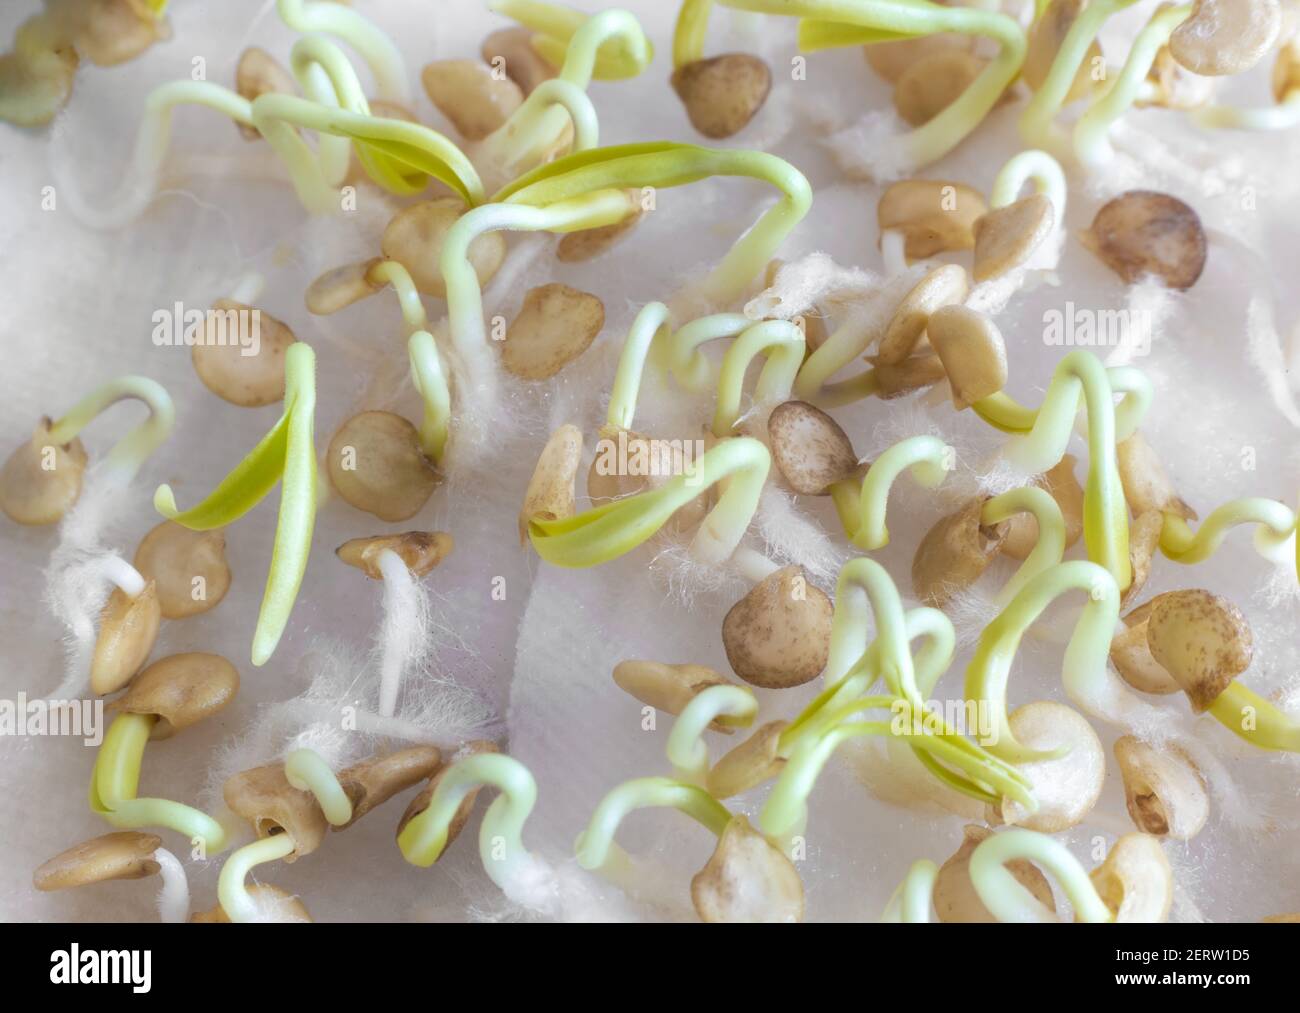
{"points": [[374, 781], [934, 216], [125, 854], [415, 236], [778, 635], [421, 801], [1062, 486], [1163, 789], [1045, 37], [955, 898], [180, 690], [1142, 233], [376, 463], [747, 880], [128, 627], [1068, 782], [419, 551], [260, 73], [471, 95], [555, 325]]}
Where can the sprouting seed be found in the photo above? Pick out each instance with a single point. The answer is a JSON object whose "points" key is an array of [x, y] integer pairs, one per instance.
{"points": [[550, 494], [180, 690], [421, 801], [972, 351], [954, 554], [1147, 487], [891, 60], [933, 83], [372, 782], [749, 764], [555, 325], [914, 373], [955, 898], [1143, 542], [128, 627], [467, 92], [1131, 655], [1142, 233], [376, 464], [420, 551], [665, 459], [1065, 786], [722, 93], [1135, 881], [342, 286], [287, 907], [810, 449], [35, 84], [265, 798], [229, 371], [126, 854], [260, 73], [1202, 640], [521, 62], [1163, 789], [1226, 36], [1007, 236], [414, 237], [1045, 38], [670, 688], [943, 286], [181, 563], [1173, 86], [1062, 486], [778, 635], [935, 216], [41, 479], [587, 244], [747, 880]]}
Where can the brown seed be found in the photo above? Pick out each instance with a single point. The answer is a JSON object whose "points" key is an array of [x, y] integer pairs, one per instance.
{"points": [[1062, 486], [749, 764], [188, 568], [1146, 485], [809, 448], [723, 93], [972, 351], [587, 244], [511, 50], [1142, 233], [954, 554], [415, 235], [286, 905], [944, 286], [422, 800], [912, 374], [1045, 38], [265, 798], [1065, 787], [1202, 640], [342, 286], [374, 781], [181, 690], [1176, 87], [747, 881], [663, 460], [933, 83], [1163, 789], [260, 73], [550, 495], [1135, 880], [122, 855], [955, 899], [112, 32], [376, 464], [555, 325], [670, 688], [227, 363], [778, 635], [128, 628], [1226, 36], [891, 60], [469, 94], [934, 216], [421, 551], [1006, 237], [1131, 655], [41, 480]]}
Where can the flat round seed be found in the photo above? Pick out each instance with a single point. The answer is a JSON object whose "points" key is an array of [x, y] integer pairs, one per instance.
{"points": [[954, 554], [933, 83], [421, 551], [41, 480], [723, 93], [1006, 237], [415, 235], [239, 364], [972, 351], [809, 448], [778, 635], [422, 800], [1135, 880], [747, 881], [128, 628], [376, 464], [1065, 787], [955, 898], [1045, 38], [555, 325], [749, 764], [935, 216], [1163, 789], [944, 286], [550, 495], [1142, 233], [285, 905], [125, 854], [181, 690], [265, 798], [342, 286], [891, 60], [260, 73], [1226, 36], [373, 782], [1061, 484], [587, 244], [511, 50], [188, 568], [469, 94], [1202, 640]]}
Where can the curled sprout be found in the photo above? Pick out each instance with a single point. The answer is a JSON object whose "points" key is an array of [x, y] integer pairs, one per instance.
{"points": [[686, 748], [115, 780], [1275, 530], [500, 839], [306, 770], [651, 329], [910, 903], [286, 454], [130, 453], [1011, 901], [618, 57], [662, 164], [382, 57], [236, 900], [613, 529], [862, 511], [1034, 166], [1048, 550]]}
